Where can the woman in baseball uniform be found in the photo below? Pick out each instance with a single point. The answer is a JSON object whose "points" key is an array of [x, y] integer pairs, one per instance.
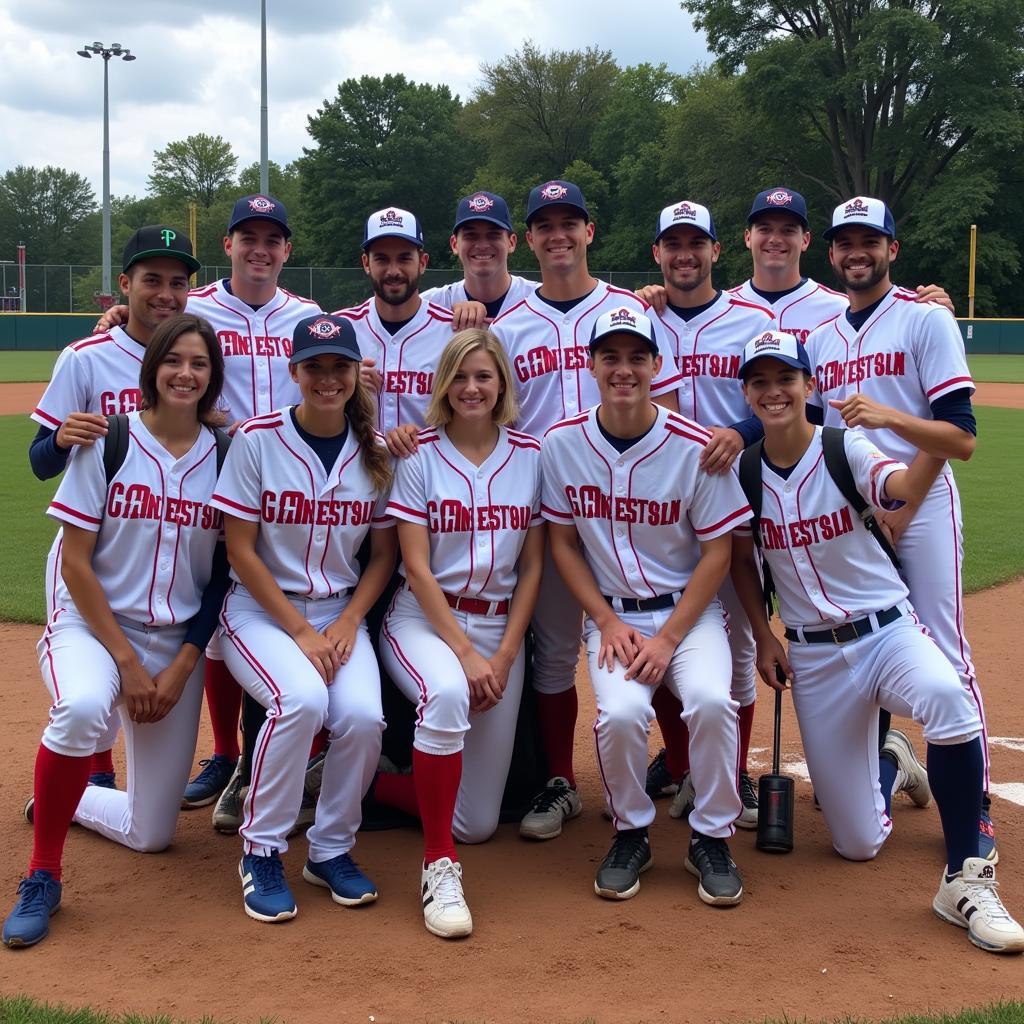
{"points": [[468, 506], [134, 608], [856, 645], [300, 489]]}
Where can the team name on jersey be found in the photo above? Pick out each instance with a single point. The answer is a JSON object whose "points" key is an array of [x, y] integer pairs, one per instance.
{"points": [[707, 364], [294, 508], [804, 532], [113, 402], [799, 333], [543, 360], [137, 501], [837, 373], [409, 382], [590, 502], [234, 344], [451, 516]]}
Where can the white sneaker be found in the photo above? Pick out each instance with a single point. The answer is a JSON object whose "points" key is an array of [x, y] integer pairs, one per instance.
{"points": [[554, 805], [445, 911], [682, 802], [970, 901], [911, 775]]}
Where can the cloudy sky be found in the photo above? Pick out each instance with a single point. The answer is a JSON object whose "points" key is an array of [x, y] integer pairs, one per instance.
{"points": [[198, 65]]}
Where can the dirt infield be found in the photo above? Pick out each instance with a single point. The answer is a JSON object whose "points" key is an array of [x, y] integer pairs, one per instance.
{"points": [[815, 935]]}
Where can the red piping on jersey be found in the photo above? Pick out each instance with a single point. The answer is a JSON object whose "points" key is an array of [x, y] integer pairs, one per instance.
{"points": [[751, 305], [789, 551], [696, 339], [344, 568], [556, 512], [74, 512], [746, 512], [312, 490], [127, 351], [876, 473], [156, 547], [817, 462], [177, 539], [234, 504], [862, 333], [571, 422], [404, 508], [611, 522], [490, 483], [967, 381], [95, 339], [472, 501], [629, 526], [47, 416]]}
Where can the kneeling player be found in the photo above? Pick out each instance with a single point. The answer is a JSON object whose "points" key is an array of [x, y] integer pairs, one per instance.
{"points": [[855, 645], [641, 536]]}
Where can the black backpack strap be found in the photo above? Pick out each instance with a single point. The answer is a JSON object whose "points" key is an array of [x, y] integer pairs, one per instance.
{"points": [[750, 481], [115, 447], [223, 443], [838, 465]]}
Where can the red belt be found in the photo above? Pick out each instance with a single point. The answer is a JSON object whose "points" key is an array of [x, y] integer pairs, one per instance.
{"points": [[476, 606]]}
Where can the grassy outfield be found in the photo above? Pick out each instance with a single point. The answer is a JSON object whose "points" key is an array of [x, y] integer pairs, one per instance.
{"points": [[997, 369], [18, 367]]}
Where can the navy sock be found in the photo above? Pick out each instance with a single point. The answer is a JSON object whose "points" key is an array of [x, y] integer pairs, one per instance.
{"points": [[886, 778], [884, 725], [956, 775]]}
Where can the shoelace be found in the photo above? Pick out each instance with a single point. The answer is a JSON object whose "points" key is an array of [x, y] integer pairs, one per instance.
{"points": [[209, 769], [347, 868], [549, 798], [626, 849], [33, 894], [447, 886], [717, 852], [269, 873], [983, 892], [748, 793]]}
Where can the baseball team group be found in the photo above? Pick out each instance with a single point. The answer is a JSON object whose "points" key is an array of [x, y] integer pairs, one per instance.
{"points": [[553, 462]]}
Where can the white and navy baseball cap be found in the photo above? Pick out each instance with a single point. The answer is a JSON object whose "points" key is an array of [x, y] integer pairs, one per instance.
{"points": [[323, 335], [779, 200], [687, 214], [555, 193], [623, 321], [259, 207], [863, 211], [776, 345], [483, 206], [391, 222]]}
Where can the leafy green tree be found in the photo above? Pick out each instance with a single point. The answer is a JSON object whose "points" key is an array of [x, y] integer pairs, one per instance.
{"points": [[44, 207], [198, 169]]}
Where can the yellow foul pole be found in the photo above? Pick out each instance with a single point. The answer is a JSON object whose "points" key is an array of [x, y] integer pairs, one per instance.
{"points": [[970, 272]]}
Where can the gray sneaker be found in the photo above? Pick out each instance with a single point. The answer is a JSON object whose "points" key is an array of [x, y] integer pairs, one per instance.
{"points": [[554, 805], [618, 877], [720, 882], [227, 812]]}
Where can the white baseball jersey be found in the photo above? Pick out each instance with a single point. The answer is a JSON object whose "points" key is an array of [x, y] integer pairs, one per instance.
{"points": [[448, 294], [477, 516], [155, 524], [800, 311], [549, 351], [708, 350], [98, 375], [907, 354], [256, 345], [641, 514], [406, 360], [311, 521]]}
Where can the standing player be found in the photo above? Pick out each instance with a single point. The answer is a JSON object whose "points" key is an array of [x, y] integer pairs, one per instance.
{"points": [[546, 336], [137, 555], [301, 488], [468, 505], [896, 368], [855, 644], [641, 535]]}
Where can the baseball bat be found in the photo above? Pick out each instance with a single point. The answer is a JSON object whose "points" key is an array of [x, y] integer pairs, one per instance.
{"points": [[775, 795]]}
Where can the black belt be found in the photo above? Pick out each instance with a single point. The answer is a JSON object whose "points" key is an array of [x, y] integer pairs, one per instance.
{"points": [[644, 604], [310, 597], [848, 631]]}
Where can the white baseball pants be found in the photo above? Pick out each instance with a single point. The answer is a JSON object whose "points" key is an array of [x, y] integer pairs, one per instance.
{"points": [[557, 626]]}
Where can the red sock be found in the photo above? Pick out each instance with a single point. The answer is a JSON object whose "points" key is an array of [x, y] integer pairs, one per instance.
{"points": [[557, 713], [102, 761], [60, 782], [667, 710], [224, 699], [319, 744], [437, 778], [398, 791], [746, 717]]}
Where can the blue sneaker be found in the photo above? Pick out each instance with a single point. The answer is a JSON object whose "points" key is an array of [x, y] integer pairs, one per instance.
{"points": [[38, 900], [210, 782], [265, 893], [348, 885], [105, 780], [987, 835]]}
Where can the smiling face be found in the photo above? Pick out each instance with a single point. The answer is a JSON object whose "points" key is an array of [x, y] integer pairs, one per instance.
{"points": [[558, 236], [157, 289], [258, 249], [686, 255], [777, 392], [395, 267], [483, 248], [183, 375], [624, 367], [327, 382], [776, 241], [861, 256], [475, 388]]}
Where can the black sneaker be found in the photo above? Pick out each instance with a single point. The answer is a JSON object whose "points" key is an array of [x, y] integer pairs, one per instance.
{"points": [[618, 877], [659, 779], [748, 797], [720, 882]]}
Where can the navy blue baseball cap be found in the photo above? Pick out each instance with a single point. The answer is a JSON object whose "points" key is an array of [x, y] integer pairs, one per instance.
{"points": [[324, 335], [391, 222], [863, 211], [483, 206], [259, 207], [555, 193], [779, 200], [786, 348]]}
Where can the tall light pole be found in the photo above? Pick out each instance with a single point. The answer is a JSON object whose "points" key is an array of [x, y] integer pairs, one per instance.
{"points": [[106, 52], [264, 167]]}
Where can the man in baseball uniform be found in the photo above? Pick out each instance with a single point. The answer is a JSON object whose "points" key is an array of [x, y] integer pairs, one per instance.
{"points": [[546, 336], [896, 369]]}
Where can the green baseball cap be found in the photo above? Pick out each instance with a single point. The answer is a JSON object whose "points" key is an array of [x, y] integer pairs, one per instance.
{"points": [[157, 240]]}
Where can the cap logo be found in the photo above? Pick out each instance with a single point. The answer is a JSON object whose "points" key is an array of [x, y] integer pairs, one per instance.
{"points": [[767, 340], [324, 329], [780, 197], [168, 236], [480, 203], [856, 208], [622, 317], [685, 210], [553, 191], [390, 219], [261, 204]]}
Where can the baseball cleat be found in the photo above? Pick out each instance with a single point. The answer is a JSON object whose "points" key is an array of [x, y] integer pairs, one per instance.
{"points": [[911, 776], [445, 911], [265, 893], [659, 779], [970, 900], [348, 885], [227, 813], [618, 877], [556, 804], [682, 802], [987, 833], [29, 810], [29, 921], [208, 784], [748, 797], [720, 883]]}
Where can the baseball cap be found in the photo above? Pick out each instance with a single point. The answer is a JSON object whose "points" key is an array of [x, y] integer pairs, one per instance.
{"points": [[555, 193], [862, 210], [623, 321], [159, 240], [686, 213], [777, 345], [394, 223], [779, 200], [483, 206], [259, 207], [322, 335]]}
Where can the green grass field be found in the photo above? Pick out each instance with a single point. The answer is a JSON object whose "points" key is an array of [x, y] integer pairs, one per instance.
{"points": [[997, 369]]}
